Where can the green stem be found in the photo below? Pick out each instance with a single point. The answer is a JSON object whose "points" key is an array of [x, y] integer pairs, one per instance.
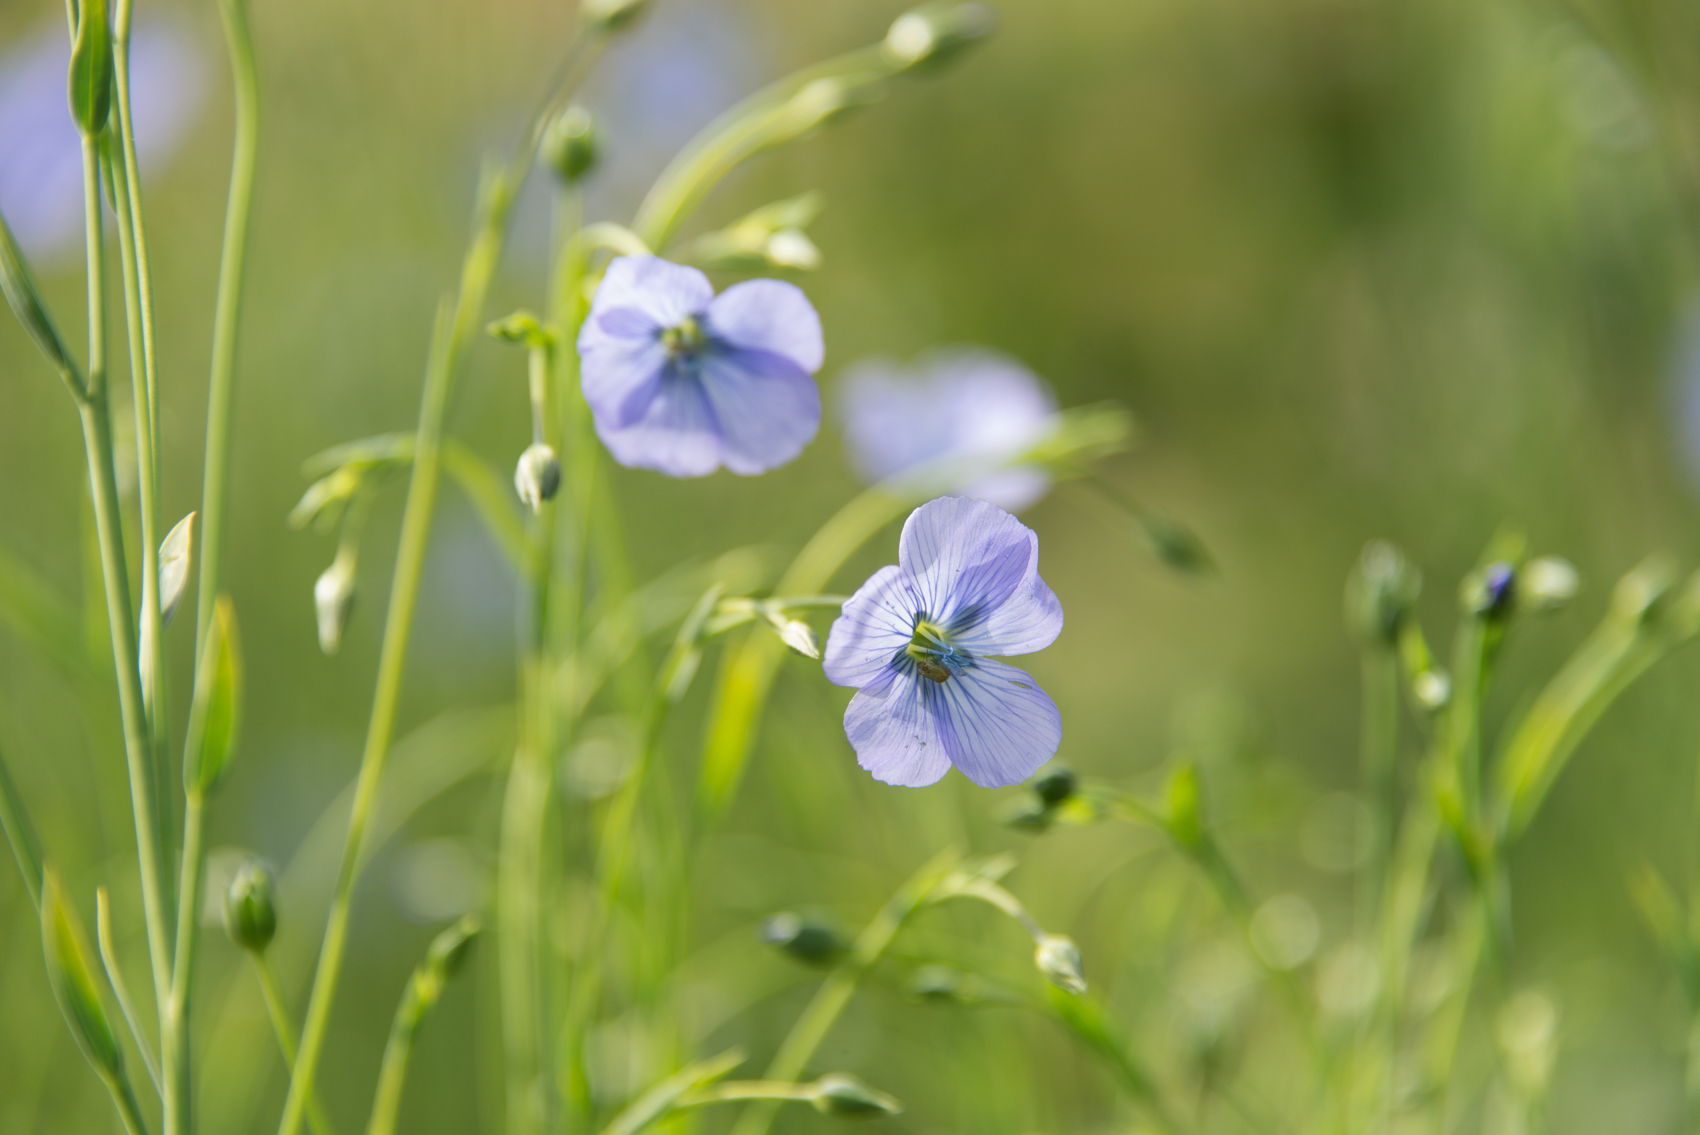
{"points": [[519, 877], [179, 1088], [227, 314], [128, 1108], [1378, 751], [103, 486], [120, 987], [811, 1028], [285, 1033], [495, 202], [20, 834], [392, 1075]]}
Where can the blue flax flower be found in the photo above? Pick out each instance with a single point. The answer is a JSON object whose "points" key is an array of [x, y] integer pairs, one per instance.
{"points": [[916, 642], [965, 402], [684, 381]]}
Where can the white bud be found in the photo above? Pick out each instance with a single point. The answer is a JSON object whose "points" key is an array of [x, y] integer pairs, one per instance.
{"points": [[1549, 583], [799, 636], [333, 596], [1058, 958], [537, 476]]}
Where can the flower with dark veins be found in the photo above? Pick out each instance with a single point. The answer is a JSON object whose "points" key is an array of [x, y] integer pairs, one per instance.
{"points": [[920, 641]]}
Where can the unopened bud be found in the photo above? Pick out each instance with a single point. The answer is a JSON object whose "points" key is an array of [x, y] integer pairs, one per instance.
{"points": [[1489, 593], [570, 144], [1639, 593], [1380, 593], [611, 15], [1548, 584], [1431, 688], [537, 476], [250, 907], [768, 238], [1058, 958], [70, 976], [333, 599], [936, 983], [1186, 820], [176, 553], [17, 284], [1055, 783], [809, 941], [845, 1096], [933, 33]]}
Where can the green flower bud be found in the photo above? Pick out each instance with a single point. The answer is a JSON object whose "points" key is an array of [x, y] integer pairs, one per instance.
{"points": [[845, 1096], [1058, 958], [570, 146], [176, 553], [448, 950], [934, 33], [1055, 783], [537, 476], [809, 941], [936, 983], [1186, 806], [250, 907], [1381, 592], [611, 15], [1027, 812], [1491, 593], [72, 980]]}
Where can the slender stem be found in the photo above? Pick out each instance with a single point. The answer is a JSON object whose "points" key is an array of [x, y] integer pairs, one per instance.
{"points": [[179, 1093], [521, 889], [736, 1090], [495, 199], [285, 1033], [138, 309], [103, 486], [239, 40], [818, 1018], [21, 835], [392, 1075], [1378, 763], [115, 976]]}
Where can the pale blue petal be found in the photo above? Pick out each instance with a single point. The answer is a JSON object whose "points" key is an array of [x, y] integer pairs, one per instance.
{"points": [[1030, 619], [677, 435], [990, 720], [666, 292], [966, 557], [769, 315], [876, 624], [890, 421], [995, 722], [620, 377], [894, 730], [767, 407]]}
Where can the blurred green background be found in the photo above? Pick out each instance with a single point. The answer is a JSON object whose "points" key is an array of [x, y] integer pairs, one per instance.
{"points": [[1414, 269]]}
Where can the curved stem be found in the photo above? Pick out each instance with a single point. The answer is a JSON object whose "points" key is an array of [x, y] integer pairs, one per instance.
{"points": [[811, 1028], [120, 987], [285, 1033]]}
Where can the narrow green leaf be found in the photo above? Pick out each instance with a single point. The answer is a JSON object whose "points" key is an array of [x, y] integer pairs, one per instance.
{"points": [[20, 834], [91, 69], [68, 973], [214, 716], [17, 283]]}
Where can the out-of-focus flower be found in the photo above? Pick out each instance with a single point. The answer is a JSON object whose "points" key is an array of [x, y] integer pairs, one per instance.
{"points": [[963, 402], [916, 642], [41, 157], [683, 381]]}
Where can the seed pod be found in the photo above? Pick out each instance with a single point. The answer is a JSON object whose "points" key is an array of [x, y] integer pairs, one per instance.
{"points": [[570, 144]]}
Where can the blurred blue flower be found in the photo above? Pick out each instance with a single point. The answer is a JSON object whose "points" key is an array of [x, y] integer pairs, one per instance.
{"points": [[915, 641], [683, 381], [966, 402], [41, 157]]}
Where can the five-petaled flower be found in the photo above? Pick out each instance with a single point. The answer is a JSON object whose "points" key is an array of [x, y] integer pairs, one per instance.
{"points": [[917, 639], [684, 381], [954, 403]]}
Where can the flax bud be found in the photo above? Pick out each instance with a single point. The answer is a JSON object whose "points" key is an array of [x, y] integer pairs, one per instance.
{"points": [[809, 941], [537, 476], [845, 1096], [1058, 958], [611, 15], [333, 598], [934, 33], [250, 907], [570, 145]]}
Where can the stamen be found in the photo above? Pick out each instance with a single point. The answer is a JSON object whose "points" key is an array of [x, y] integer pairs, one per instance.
{"points": [[685, 339]]}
